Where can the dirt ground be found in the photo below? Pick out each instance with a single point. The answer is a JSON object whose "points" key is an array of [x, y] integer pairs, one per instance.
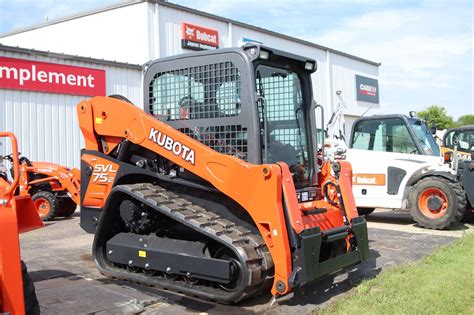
{"points": [[67, 281]]}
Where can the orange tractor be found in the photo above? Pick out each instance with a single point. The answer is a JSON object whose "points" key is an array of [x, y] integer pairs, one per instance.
{"points": [[17, 215], [215, 190], [55, 189]]}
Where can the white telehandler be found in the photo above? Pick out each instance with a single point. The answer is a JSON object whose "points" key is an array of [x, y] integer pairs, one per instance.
{"points": [[397, 164]]}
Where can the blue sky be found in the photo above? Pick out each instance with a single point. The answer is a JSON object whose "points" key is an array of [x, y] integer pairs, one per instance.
{"points": [[425, 47]]}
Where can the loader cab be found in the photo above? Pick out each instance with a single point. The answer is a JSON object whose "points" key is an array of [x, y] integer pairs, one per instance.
{"points": [[253, 102], [393, 133], [462, 138]]}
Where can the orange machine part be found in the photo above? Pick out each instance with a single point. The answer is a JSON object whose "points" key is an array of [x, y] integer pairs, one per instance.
{"points": [[257, 188], [60, 178], [101, 182], [17, 215]]}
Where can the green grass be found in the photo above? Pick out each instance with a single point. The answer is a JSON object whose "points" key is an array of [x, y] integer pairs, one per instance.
{"points": [[442, 283]]}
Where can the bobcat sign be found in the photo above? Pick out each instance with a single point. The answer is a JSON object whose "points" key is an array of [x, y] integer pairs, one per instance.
{"points": [[198, 38]]}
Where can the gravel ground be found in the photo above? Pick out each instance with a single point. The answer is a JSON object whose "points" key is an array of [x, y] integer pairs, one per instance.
{"points": [[67, 281]]}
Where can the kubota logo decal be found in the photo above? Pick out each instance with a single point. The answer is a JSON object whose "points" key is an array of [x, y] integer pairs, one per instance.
{"points": [[168, 143], [104, 173]]}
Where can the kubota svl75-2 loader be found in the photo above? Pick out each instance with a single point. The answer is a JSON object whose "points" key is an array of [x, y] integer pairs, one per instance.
{"points": [[215, 190]]}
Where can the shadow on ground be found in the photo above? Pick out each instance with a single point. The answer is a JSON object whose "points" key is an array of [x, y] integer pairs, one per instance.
{"points": [[48, 274], [312, 295], [399, 217]]}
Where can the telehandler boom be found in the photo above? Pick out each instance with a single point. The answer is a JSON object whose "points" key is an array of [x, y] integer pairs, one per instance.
{"points": [[215, 191]]}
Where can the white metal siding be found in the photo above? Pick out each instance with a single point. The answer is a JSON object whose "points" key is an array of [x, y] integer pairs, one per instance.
{"points": [[344, 70], [170, 29], [137, 33], [120, 34], [318, 78], [170, 21], [46, 124]]}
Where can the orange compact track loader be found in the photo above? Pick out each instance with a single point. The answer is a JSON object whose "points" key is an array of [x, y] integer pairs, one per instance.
{"points": [[214, 190], [55, 189], [17, 215]]}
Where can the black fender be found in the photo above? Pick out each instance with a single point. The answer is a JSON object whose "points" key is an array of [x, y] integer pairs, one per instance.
{"points": [[449, 176]]}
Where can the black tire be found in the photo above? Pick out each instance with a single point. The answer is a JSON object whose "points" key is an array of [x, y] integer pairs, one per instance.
{"points": [[468, 215], [456, 203], [32, 306], [49, 213], [365, 211], [67, 207]]}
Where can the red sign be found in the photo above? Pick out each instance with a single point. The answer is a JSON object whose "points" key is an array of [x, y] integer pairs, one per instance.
{"points": [[28, 75], [199, 38]]}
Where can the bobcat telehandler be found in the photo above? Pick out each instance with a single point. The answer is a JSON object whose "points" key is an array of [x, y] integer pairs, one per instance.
{"points": [[54, 188], [397, 164], [17, 215], [214, 190]]}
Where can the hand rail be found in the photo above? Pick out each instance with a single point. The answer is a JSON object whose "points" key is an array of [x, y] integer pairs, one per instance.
{"points": [[16, 164]]}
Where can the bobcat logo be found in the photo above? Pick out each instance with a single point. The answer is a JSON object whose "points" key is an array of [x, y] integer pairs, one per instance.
{"points": [[190, 31]]}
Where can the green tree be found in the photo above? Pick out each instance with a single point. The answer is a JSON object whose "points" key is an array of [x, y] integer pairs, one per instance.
{"points": [[438, 115], [465, 120]]}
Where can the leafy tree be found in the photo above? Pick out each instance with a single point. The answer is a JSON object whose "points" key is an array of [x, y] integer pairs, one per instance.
{"points": [[438, 115], [465, 120]]}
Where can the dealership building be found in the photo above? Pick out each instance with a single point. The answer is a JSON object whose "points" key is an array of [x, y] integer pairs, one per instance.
{"points": [[45, 70]]}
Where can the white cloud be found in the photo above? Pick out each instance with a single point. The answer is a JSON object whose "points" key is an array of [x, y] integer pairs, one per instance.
{"points": [[425, 52]]}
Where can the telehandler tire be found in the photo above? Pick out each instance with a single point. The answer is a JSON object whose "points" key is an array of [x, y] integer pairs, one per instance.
{"points": [[32, 306], [437, 203], [46, 204], [365, 211]]}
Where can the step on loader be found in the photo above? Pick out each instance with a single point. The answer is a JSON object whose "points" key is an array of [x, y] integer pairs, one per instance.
{"points": [[17, 215], [214, 190]]}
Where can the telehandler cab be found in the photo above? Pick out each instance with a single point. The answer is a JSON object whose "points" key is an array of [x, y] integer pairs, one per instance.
{"points": [[214, 190]]}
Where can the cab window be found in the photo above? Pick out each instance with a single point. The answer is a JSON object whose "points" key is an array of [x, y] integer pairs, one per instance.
{"points": [[386, 135]]}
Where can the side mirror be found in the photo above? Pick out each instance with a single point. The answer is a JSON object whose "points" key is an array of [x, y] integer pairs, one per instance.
{"points": [[433, 128]]}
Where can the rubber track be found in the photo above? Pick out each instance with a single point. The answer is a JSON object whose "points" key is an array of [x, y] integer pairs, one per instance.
{"points": [[259, 262]]}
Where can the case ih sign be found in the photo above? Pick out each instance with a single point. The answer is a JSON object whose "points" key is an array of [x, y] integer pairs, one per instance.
{"points": [[29, 75], [367, 89], [198, 38]]}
